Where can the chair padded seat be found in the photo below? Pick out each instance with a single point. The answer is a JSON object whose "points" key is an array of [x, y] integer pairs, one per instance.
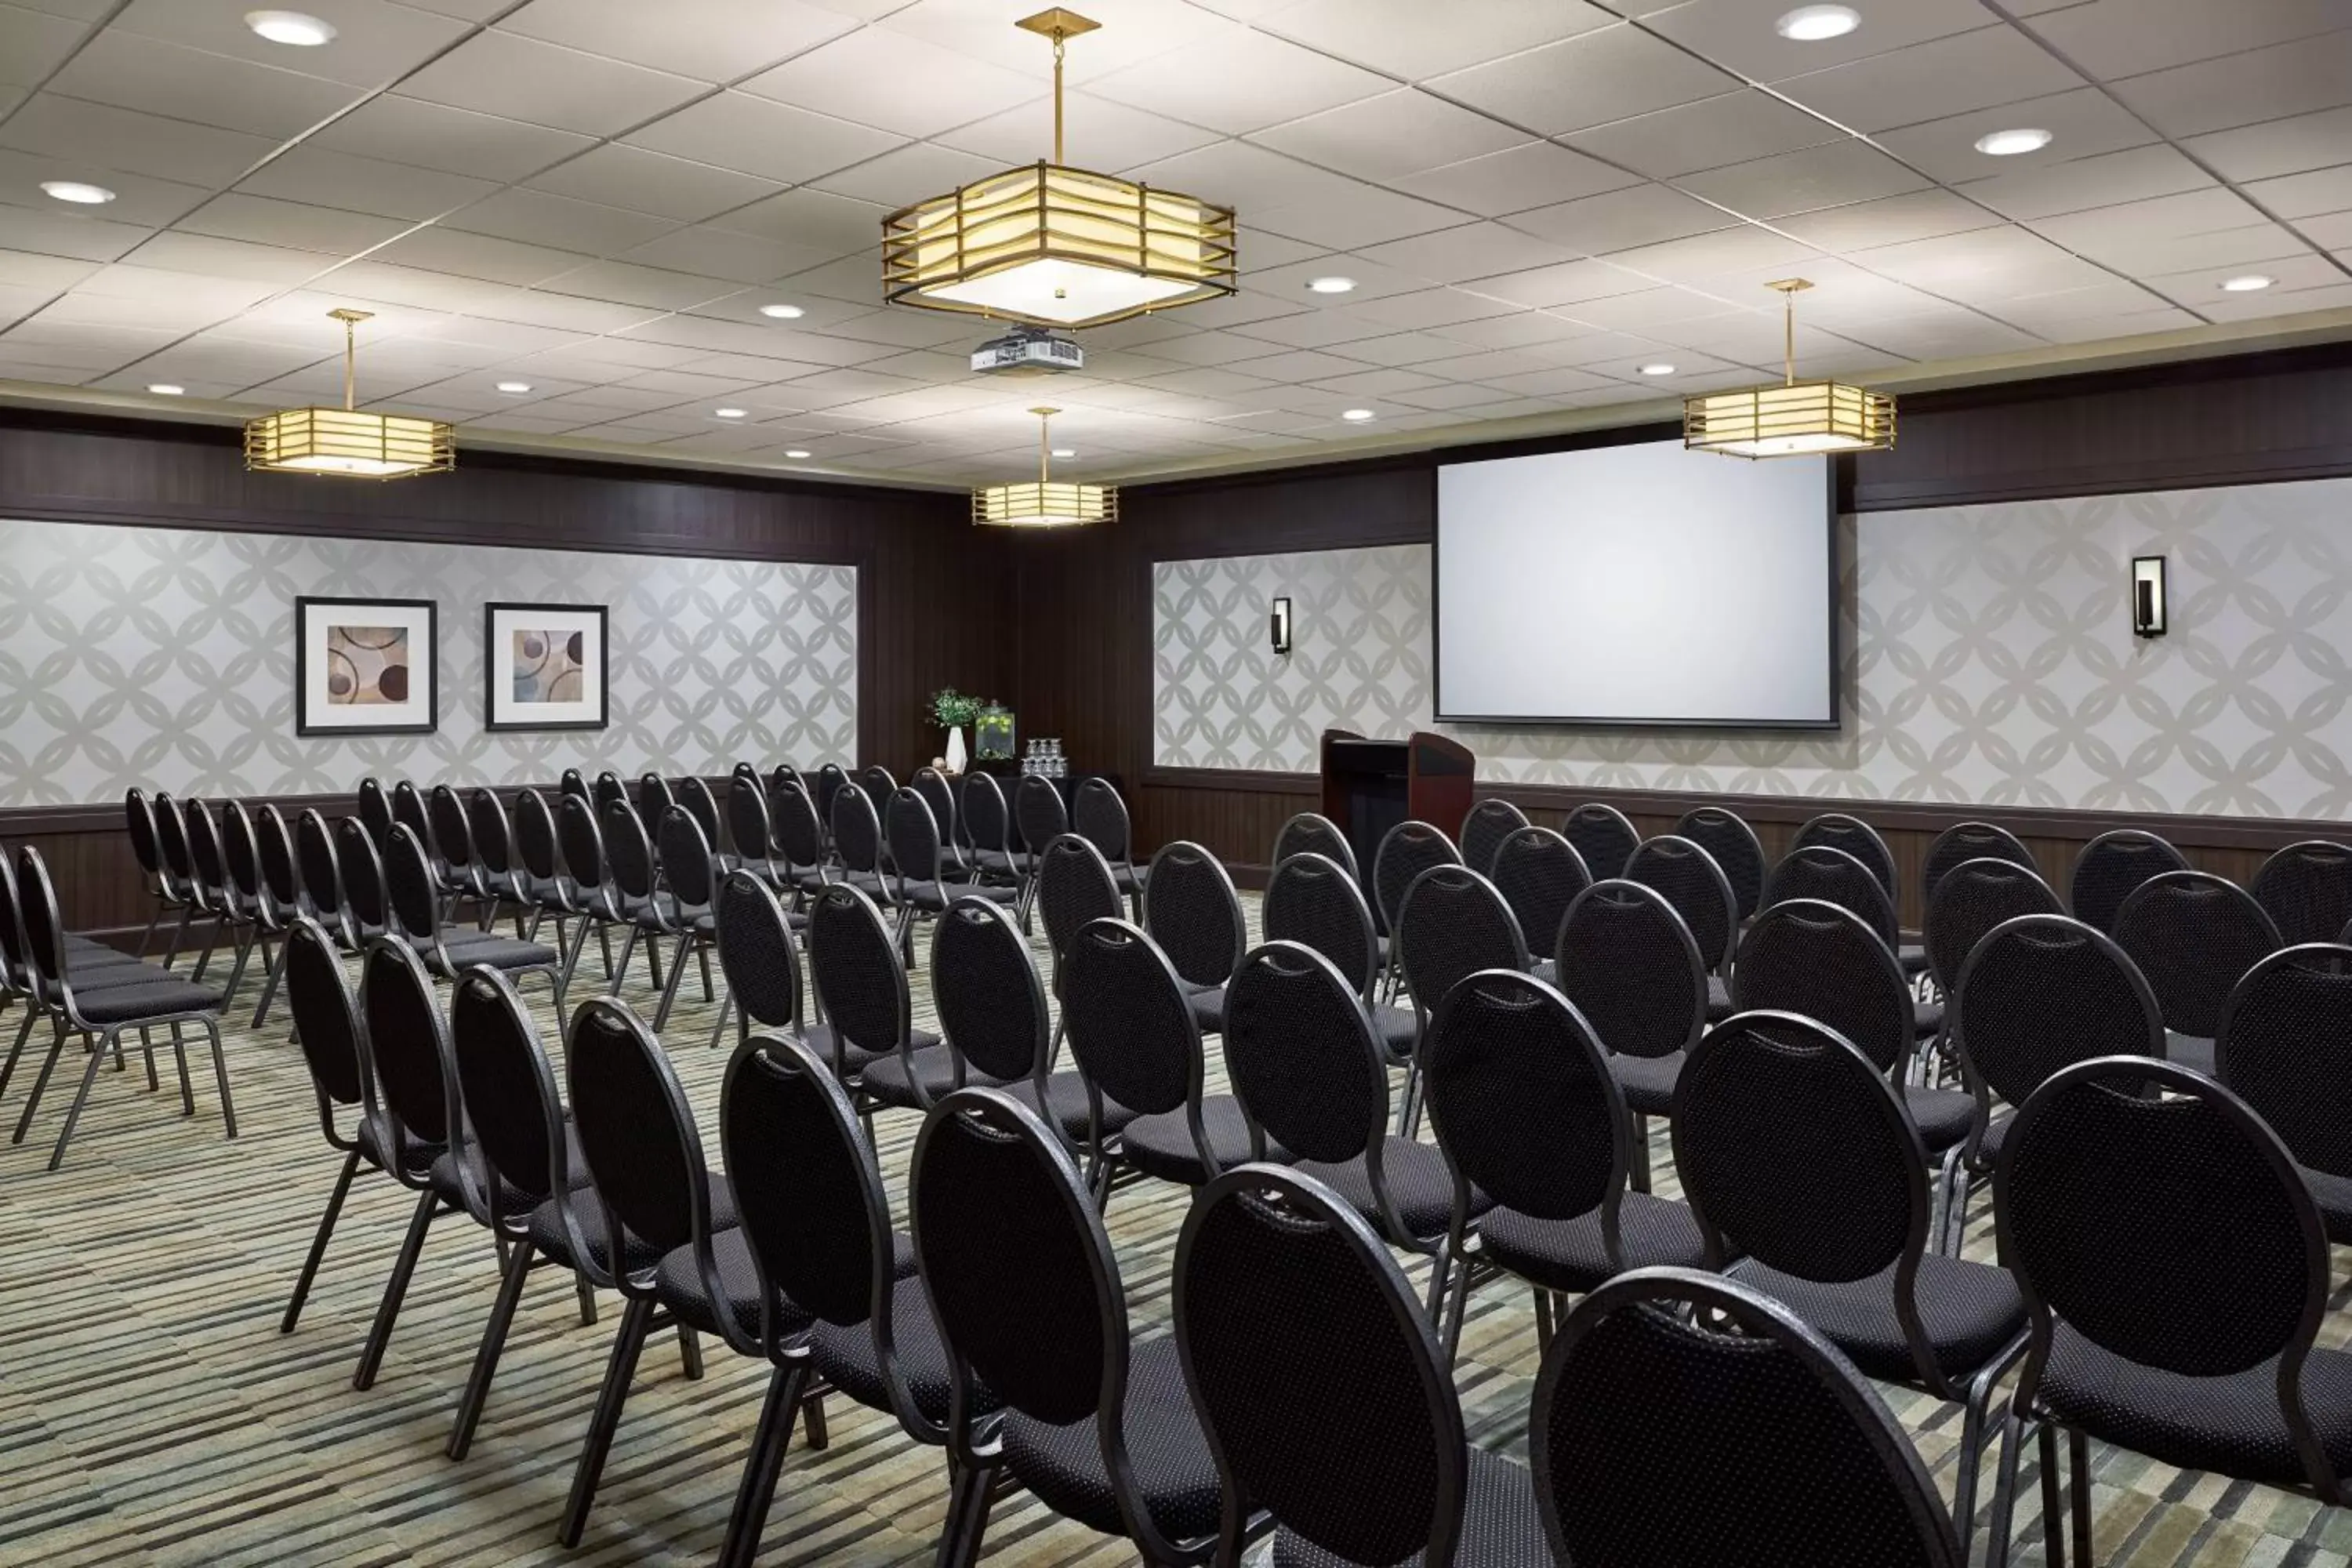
{"points": [[1648, 1082], [512, 1200], [1926, 1019], [1418, 1180], [1546, 970], [467, 948], [1174, 1476], [845, 1356], [1913, 957], [1004, 862], [1970, 1311], [679, 1285], [101, 973], [819, 1039], [937, 896], [1065, 1105], [547, 1232], [2229, 1426], [1161, 1145], [1398, 1030], [165, 997], [885, 1079], [1568, 1254], [1718, 999], [1208, 1004], [1502, 1525], [1995, 1136], [1126, 877], [2333, 1193], [2194, 1052], [417, 1154], [1943, 1115]]}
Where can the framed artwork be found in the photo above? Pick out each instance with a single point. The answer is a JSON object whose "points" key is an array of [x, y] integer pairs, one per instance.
{"points": [[543, 667], [366, 666]]}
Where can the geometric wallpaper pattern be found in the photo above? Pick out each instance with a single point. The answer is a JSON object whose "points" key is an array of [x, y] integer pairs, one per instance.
{"points": [[165, 656], [1987, 658]]}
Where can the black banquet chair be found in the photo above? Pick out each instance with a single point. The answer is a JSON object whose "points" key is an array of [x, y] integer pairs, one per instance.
{"points": [[1098, 816], [1328, 1396], [1629, 965], [1311, 833], [2110, 866], [1689, 878], [2307, 889], [1966, 841], [1452, 924], [1039, 817], [988, 830], [1406, 851], [1968, 901], [1539, 875], [1726, 835], [1484, 828], [2286, 1048], [1190, 909], [869, 1034], [1313, 899], [448, 952], [993, 1016], [1603, 835], [2194, 935]]}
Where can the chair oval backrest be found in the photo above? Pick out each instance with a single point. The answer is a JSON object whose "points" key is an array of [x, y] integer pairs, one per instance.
{"points": [[43, 930], [1327, 1398], [1038, 812], [654, 797], [1192, 912], [1697, 887], [854, 963], [1073, 886], [1726, 835], [747, 819], [991, 1004], [2110, 866], [1312, 900], [856, 829], [987, 823], [2307, 889], [933, 785], [799, 834], [2194, 935], [241, 853], [17, 970], [1311, 833], [1603, 835], [326, 1014], [1968, 901], [1453, 923], [1098, 816], [584, 843], [322, 873], [1818, 960], [1300, 1050], [1825, 872], [687, 862], [205, 855], [1794, 1149], [2174, 1231], [830, 777], [1539, 874], [878, 781], [408, 1040], [452, 838], [1014, 1258], [1522, 1098], [1857, 838], [171, 838], [408, 809], [366, 893], [1628, 963], [2285, 1047], [485, 816], [1406, 851], [408, 885], [375, 810], [693, 793], [139, 820], [1484, 828], [914, 833], [535, 841], [2043, 992], [609, 787], [274, 846], [1130, 1026], [635, 1130], [757, 954], [1659, 1440], [575, 782], [628, 850], [810, 1200], [1966, 841], [506, 1086]]}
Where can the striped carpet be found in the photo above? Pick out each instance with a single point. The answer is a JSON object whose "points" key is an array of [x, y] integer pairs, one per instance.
{"points": [[151, 1412]]}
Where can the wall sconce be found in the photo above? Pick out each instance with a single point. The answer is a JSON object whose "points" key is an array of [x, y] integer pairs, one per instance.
{"points": [[1278, 625], [2148, 596]]}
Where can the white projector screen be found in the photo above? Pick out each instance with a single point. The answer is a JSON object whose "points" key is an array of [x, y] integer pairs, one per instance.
{"points": [[1637, 585]]}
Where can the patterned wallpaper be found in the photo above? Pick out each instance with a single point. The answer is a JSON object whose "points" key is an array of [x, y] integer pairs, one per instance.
{"points": [[163, 656], [1988, 659]]}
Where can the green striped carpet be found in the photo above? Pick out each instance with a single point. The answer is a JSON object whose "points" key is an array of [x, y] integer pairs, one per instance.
{"points": [[151, 1412]]}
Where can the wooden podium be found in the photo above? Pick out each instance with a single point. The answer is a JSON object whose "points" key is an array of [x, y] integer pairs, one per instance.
{"points": [[1369, 786]]}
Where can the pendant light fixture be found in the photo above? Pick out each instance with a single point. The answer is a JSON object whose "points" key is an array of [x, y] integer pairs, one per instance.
{"points": [[1046, 503], [349, 442], [1051, 246], [1795, 417]]}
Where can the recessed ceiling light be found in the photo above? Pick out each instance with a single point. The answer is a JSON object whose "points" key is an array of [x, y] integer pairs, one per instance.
{"points": [[2009, 143], [294, 27], [1812, 24], [514, 387], [74, 191], [1356, 415], [1657, 367], [165, 389], [2247, 284], [1333, 285], [732, 413], [795, 453], [783, 312], [1066, 451]]}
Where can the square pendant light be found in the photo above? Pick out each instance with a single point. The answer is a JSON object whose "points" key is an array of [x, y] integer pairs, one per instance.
{"points": [[354, 443], [1793, 419], [1045, 502]]}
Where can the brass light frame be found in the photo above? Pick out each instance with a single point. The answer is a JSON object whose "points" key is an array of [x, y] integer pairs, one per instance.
{"points": [[1794, 419], [1045, 502], [349, 443]]}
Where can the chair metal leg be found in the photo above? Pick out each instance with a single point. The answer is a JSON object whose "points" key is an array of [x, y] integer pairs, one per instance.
{"points": [[702, 952], [677, 973], [179, 1055], [2053, 1520], [1455, 1310], [1543, 1320], [276, 966], [2078, 1465], [1441, 1277], [587, 1293], [2004, 1489], [73, 1111], [604, 943], [757, 1491], [41, 1079], [690, 1353], [718, 1030], [236, 971], [319, 1243], [615, 974], [494, 1340], [636, 1319], [1640, 1181], [147, 937], [24, 1032], [212, 941], [179, 935], [969, 1490], [1974, 1417], [387, 1311], [220, 1077]]}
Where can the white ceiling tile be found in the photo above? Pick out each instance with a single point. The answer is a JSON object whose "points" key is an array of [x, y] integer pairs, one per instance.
{"points": [[982, 29], [11, 96], [898, 83], [1612, 73], [409, 285], [1383, 382], [2201, 290], [1733, 127], [1406, 351], [1541, 174], [757, 136], [1977, 336], [1349, 219], [2082, 123], [858, 279], [1245, 177], [2085, 183], [1984, 268], [2150, 254], [909, 329], [1448, 394], [33, 44], [1316, 329], [1470, 251], [559, 313], [1414, 39], [45, 274], [1550, 383], [2239, 90], [1213, 348], [911, 173], [290, 224], [86, 344], [1739, 34], [67, 234], [1520, 329], [375, 42], [2238, 308], [1564, 283], [1830, 176], [204, 256], [2277, 146], [113, 138], [2115, 38], [2310, 195], [1922, 215], [1240, 82], [1098, 133], [138, 198], [409, 130], [646, 182], [1653, 310], [438, 249], [545, 84], [1618, 220], [1372, 277], [1706, 255], [837, 224], [1391, 135], [536, 217], [2155, 217], [723, 253], [622, 283], [744, 307], [164, 311], [711, 40], [323, 177], [1303, 364], [156, 78], [1435, 308], [1933, 81]]}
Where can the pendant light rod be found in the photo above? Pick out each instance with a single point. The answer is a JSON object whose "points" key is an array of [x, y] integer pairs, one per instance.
{"points": [[1061, 24], [1045, 446], [1790, 289], [351, 319]]}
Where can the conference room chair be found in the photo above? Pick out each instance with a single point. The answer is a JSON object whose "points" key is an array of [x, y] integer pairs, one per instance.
{"points": [[1835, 876], [1603, 835], [608, 788], [216, 899], [367, 898], [955, 851], [920, 886], [987, 824], [759, 958], [575, 782], [1661, 1440], [172, 841], [1197, 921], [680, 906], [322, 879], [408, 808], [799, 838], [1452, 923], [446, 950], [450, 849], [742, 770], [694, 794], [1801, 1160], [90, 967], [1312, 833], [1539, 874], [283, 895], [1540, 1142], [1405, 852], [860, 982], [830, 777], [1328, 1398], [1968, 901], [1073, 885], [682, 1268], [1039, 817], [581, 838], [2037, 993], [2175, 1271], [1966, 841], [1858, 838], [2194, 935], [633, 875], [856, 825], [1026, 1293], [2285, 1048], [878, 781], [1098, 816], [540, 877], [2110, 866], [166, 888], [374, 808], [258, 918], [1689, 878], [817, 1219], [1726, 835], [2307, 889], [654, 795], [1484, 828], [994, 1018], [1313, 899], [752, 830], [497, 874], [1629, 965]]}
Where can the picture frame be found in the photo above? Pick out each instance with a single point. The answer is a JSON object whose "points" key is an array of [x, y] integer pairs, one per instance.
{"points": [[546, 667], [366, 666]]}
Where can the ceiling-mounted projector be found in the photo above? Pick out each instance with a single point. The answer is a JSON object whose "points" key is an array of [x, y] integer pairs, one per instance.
{"points": [[1027, 351]]}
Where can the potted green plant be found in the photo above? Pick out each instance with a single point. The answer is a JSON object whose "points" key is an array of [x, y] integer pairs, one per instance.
{"points": [[952, 711]]}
